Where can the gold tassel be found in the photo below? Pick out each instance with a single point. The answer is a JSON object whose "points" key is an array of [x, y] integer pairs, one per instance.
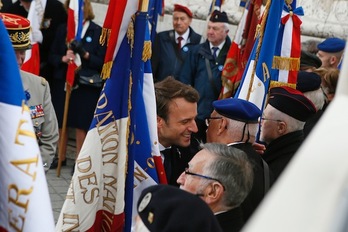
{"points": [[130, 33], [286, 63], [280, 84], [103, 36], [147, 52], [106, 71]]}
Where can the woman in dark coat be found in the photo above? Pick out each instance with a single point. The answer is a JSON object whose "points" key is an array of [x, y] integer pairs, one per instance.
{"points": [[83, 98]]}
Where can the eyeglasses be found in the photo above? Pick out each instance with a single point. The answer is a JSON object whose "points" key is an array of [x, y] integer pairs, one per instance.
{"points": [[207, 120], [268, 119], [187, 172]]}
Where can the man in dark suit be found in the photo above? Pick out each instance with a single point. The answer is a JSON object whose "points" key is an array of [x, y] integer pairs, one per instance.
{"points": [[203, 67], [171, 47], [176, 112]]}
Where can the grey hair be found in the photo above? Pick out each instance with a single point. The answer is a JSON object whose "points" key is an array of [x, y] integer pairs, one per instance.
{"points": [[233, 169], [234, 126], [317, 97]]}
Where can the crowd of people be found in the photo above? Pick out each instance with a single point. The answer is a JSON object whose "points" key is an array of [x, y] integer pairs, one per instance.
{"points": [[226, 153]]}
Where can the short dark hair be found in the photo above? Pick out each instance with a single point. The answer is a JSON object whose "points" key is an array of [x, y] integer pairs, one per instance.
{"points": [[169, 89], [232, 167]]}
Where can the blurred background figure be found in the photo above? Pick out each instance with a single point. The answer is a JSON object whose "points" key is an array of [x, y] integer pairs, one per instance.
{"points": [[203, 67], [171, 47], [330, 52], [310, 46], [37, 90], [329, 80], [54, 14], [309, 83], [309, 61], [84, 97], [164, 208]]}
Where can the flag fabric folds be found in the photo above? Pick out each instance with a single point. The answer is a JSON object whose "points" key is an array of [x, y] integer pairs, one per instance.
{"points": [[24, 196], [256, 77], [117, 158], [286, 62], [32, 56], [74, 31], [240, 49]]}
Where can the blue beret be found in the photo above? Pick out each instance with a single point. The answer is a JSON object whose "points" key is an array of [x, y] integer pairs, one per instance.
{"points": [[291, 102], [218, 17], [307, 81], [163, 208], [237, 109], [332, 45], [309, 60]]}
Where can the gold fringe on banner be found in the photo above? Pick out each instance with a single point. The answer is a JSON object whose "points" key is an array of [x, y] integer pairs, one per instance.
{"points": [[281, 84], [130, 33], [106, 71], [104, 36], [147, 52], [286, 63]]}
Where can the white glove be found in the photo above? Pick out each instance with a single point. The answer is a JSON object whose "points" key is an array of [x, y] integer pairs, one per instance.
{"points": [[37, 36]]}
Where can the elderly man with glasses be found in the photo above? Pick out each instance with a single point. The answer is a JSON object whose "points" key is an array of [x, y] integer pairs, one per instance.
{"points": [[222, 176], [234, 122], [282, 126]]}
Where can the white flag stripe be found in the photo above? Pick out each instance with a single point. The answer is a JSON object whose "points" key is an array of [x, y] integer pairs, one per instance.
{"points": [[22, 174]]}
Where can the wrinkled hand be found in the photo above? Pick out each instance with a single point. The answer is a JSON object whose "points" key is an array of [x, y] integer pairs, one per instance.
{"points": [[76, 46], [259, 148]]}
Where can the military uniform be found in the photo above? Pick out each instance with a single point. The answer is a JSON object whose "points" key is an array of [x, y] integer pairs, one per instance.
{"points": [[38, 97]]}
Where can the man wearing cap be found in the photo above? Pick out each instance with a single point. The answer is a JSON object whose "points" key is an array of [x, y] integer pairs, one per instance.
{"points": [[171, 47], [309, 84], [204, 65], [330, 52], [222, 176], [309, 61], [282, 126], [164, 208], [235, 122], [54, 14], [37, 90]]}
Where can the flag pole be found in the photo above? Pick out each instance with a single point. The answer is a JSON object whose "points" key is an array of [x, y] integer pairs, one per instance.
{"points": [[259, 30], [144, 5], [63, 133]]}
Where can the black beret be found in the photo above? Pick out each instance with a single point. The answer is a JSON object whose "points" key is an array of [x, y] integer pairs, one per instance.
{"points": [[291, 102], [307, 81], [237, 109], [332, 45], [167, 208], [309, 59], [218, 17], [184, 9]]}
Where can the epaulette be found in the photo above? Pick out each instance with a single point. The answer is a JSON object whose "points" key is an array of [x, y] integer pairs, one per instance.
{"points": [[43, 81]]}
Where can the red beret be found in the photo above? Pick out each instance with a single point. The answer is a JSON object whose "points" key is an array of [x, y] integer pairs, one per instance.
{"points": [[291, 102], [18, 29], [184, 9]]}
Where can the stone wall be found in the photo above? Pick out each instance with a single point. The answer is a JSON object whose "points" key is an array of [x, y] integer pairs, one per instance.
{"points": [[323, 18]]}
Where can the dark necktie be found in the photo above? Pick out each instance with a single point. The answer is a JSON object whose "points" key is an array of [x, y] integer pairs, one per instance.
{"points": [[179, 42], [167, 162], [215, 49]]}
